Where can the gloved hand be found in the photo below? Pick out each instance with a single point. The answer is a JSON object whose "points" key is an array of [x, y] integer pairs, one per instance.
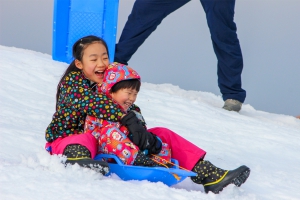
{"points": [[140, 136], [157, 147], [140, 117]]}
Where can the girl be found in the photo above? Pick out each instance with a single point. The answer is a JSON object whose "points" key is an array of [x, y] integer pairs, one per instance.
{"points": [[76, 98], [131, 141]]}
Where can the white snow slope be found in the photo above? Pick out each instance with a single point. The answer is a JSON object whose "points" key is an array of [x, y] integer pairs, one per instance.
{"points": [[267, 143]]}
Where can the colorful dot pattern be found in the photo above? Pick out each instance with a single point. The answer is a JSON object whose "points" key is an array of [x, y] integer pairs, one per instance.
{"points": [[77, 99]]}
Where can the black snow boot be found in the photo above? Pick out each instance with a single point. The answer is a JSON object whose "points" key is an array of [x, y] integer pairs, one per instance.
{"points": [[143, 160], [215, 179], [81, 155]]}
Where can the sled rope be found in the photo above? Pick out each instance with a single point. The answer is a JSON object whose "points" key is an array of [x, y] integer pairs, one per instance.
{"points": [[175, 175], [167, 162], [159, 162]]}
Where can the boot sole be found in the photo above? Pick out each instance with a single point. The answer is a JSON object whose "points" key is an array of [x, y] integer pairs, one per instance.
{"points": [[242, 177], [238, 180], [98, 166]]}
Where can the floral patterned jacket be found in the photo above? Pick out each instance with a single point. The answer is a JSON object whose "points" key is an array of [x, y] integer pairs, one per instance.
{"points": [[77, 99]]}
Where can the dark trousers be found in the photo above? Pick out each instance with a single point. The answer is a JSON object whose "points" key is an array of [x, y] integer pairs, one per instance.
{"points": [[146, 15]]}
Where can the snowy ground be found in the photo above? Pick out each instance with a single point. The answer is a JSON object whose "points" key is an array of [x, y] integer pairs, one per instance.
{"points": [[267, 143]]}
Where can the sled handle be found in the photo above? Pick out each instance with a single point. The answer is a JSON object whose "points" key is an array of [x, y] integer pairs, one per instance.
{"points": [[174, 170], [107, 156], [119, 162]]}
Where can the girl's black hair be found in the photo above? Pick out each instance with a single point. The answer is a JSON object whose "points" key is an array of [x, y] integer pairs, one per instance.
{"points": [[77, 52], [134, 84]]}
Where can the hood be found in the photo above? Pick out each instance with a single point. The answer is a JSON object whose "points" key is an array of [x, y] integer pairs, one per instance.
{"points": [[115, 73]]}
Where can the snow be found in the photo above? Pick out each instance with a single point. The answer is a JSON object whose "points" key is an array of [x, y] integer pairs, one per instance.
{"points": [[268, 143]]}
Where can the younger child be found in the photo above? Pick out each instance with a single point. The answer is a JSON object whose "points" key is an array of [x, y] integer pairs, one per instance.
{"points": [[76, 98], [131, 141]]}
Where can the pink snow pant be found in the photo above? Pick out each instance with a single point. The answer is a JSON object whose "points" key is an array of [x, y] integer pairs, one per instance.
{"points": [[89, 141], [182, 150]]}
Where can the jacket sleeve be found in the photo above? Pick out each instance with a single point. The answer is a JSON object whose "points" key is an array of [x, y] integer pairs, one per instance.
{"points": [[76, 100], [77, 94], [97, 105], [136, 108], [139, 135]]}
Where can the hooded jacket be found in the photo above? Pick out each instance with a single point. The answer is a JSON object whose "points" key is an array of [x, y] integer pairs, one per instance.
{"points": [[115, 73], [112, 136]]}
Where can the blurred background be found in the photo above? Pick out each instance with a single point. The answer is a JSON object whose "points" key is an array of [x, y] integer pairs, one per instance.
{"points": [[181, 50]]}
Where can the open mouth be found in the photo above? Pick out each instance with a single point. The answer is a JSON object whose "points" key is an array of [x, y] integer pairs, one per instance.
{"points": [[127, 104], [99, 72]]}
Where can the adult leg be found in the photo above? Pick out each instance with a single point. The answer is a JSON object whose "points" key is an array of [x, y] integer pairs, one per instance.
{"points": [[145, 16], [220, 15]]}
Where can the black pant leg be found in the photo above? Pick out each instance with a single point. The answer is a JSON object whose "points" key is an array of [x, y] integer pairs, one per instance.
{"points": [[223, 30]]}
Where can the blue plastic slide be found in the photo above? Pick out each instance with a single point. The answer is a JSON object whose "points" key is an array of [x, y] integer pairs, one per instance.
{"points": [[73, 19]]}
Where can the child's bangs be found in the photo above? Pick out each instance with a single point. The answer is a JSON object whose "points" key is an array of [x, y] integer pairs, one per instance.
{"points": [[134, 84]]}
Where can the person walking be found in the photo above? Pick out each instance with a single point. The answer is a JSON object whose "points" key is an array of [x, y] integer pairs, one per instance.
{"points": [[146, 15]]}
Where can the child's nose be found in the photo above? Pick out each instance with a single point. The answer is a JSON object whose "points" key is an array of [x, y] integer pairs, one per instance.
{"points": [[100, 62], [131, 97]]}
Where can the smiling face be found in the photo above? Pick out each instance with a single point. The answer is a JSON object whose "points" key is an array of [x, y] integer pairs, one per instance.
{"points": [[94, 62], [125, 97]]}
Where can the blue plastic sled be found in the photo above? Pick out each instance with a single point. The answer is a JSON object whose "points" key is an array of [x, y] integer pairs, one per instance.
{"points": [[73, 19], [169, 176]]}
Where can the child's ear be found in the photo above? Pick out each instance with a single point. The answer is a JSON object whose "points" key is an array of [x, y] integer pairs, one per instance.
{"points": [[111, 94], [78, 64]]}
